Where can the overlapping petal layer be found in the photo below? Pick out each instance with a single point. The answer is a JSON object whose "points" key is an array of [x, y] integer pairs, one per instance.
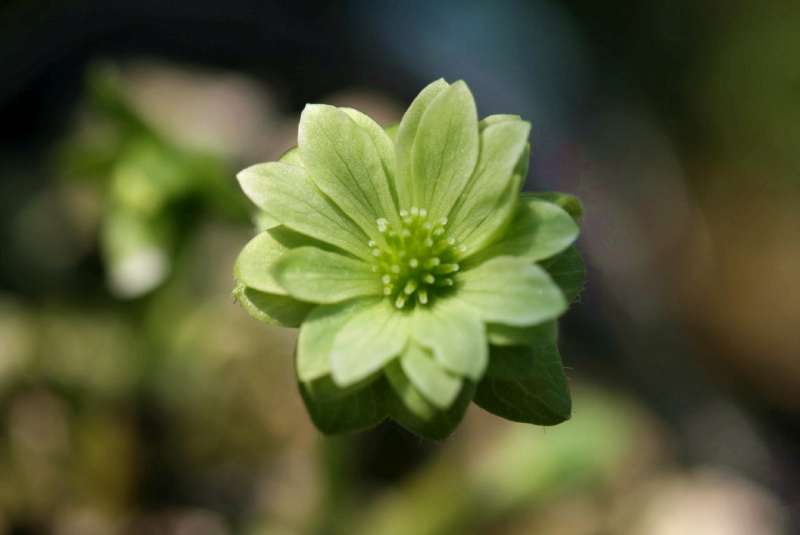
{"points": [[413, 265]]}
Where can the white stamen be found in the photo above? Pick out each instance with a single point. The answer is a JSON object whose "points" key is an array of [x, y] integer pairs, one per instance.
{"points": [[423, 296], [411, 285]]}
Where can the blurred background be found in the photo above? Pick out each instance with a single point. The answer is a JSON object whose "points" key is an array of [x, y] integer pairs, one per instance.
{"points": [[137, 398]]}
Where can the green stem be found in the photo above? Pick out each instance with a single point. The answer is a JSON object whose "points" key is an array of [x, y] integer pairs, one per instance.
{"points": [[336, 507]]}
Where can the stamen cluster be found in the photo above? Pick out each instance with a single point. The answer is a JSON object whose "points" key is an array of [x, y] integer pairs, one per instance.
{"points": [[417, 260]]}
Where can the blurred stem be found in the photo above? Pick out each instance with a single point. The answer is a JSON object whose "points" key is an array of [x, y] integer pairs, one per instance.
{"points": [[336, 507]]}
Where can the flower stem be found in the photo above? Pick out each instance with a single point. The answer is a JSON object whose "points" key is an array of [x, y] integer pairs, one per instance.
{"points": [[336, 505]]}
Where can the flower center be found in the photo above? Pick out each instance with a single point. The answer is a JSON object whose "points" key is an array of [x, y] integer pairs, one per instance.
{"points": [[417, 262]]}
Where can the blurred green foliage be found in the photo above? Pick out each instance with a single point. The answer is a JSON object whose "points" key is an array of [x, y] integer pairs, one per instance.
{"points": [[158, 406], [153, 191]]}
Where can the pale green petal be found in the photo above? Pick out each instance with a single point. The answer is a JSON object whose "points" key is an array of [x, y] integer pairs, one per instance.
{"points": [[570, 203], [345, 164], [263, 221], [455, 335], [498, 118], [271, 308], [445, 150], [539, 230], [502, 144], [315, 341], [543, 334], [404, 142], [365, 344], [391, 131], [409, 396], [437, 385], [317, 276], [524, 165], [383, 146], [255, 262], [292, 157], [511, 290], [496, 222], [287, 194], [408, 407]]}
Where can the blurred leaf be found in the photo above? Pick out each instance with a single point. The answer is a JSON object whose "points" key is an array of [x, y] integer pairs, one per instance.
{"points": [[411, 410], [538, 337], [568, 271], [103, 83], [350, 411], [527, 386], [570, 203]]}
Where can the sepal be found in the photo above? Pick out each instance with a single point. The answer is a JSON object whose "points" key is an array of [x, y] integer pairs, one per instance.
{"points": [[523, 385]]}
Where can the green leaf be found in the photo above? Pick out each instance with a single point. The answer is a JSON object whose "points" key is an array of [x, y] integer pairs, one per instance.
{"points": [[404, 143], [455, 335], [272, 309], [535, 336], [511, 290], [524, 385], [319, 276], [345, 163], [538, 230], [568, 271], [569, 203], [511, 363], [409, 408], [480, 205], [353, 411], [286, 193], [445, 150], [371, 338], [430, 379]]}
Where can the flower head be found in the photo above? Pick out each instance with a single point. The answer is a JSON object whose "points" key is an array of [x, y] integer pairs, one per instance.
{"points": [[421, 279]]}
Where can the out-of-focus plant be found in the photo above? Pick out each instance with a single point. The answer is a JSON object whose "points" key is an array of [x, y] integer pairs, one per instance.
{"points": [[153, 190], [421, 279]]}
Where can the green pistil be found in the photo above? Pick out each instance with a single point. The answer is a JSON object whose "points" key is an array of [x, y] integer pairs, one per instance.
{"points": [[416, 264]]}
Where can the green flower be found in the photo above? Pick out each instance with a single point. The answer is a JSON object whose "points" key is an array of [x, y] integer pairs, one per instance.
{"points": [[421, 279]]}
